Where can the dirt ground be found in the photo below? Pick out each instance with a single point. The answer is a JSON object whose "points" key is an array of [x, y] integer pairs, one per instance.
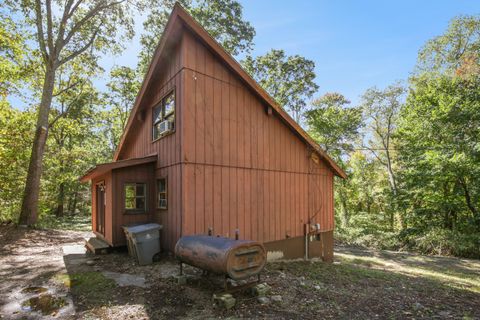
{"points": [[46, 274]]}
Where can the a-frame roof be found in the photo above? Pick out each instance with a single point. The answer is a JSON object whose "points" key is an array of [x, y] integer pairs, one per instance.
{"points": [[180, 14]]}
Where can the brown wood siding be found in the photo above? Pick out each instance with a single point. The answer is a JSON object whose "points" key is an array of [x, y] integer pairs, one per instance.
{"points": [[109, 197], [229, 164], [134, 174], [169, 218], [243, 169], [139, 143]]}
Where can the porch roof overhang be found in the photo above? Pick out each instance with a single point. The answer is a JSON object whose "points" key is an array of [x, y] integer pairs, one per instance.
{"points": [[101, 169]]}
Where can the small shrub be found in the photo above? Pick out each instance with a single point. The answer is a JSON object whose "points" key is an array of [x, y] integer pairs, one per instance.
{"points": [[377, 239], [436, 241], [445, 242]]}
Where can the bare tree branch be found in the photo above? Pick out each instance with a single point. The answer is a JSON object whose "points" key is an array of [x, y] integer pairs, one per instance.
{"points": [[389, 131], [40, 34], [89, 15], [74, 8], [70, 86], [67, 109], [382, 138], [80, 51], [63, 23], [48, 5], [375, 155]]}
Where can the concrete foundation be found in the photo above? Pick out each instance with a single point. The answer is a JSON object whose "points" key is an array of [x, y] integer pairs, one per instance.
{"points": [[319, 246]]}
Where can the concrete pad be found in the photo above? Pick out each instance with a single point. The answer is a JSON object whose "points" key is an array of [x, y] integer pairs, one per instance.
{"points": [[74, 249]]}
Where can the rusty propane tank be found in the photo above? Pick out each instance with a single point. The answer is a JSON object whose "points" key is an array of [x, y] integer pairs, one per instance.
{"points": [[238, 259]]}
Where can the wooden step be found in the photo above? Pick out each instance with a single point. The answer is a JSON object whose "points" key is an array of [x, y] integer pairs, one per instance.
{"points": [[97, 246]]}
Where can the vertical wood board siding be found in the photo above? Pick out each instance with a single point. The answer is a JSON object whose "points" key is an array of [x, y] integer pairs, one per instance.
{"points": [[244, 169], [139, 143], [229, 164]]}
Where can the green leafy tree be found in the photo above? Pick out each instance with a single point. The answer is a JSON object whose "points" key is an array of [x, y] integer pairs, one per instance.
{"points": [[439, 152], [459, 44], [15, 125], [420, 167], [333, 124], [123, 87], [381, 109], [288, 79], [64, 31], [14, 64], [223, 19], [70, 146], [15, 139], [335, 127], [361, 199]]}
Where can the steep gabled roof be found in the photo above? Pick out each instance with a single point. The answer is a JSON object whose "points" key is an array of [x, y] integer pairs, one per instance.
{"points": [[179, 14]]}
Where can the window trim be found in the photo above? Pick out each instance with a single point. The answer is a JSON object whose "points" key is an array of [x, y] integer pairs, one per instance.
{"points": [[170, 115], [135, 211], [166, 193]]}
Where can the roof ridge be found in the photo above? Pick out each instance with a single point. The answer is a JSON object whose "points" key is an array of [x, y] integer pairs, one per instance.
{"points": [[195, 27]]}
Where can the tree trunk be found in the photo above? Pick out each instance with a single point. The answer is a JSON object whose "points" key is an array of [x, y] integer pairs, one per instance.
{"points": [[469, 202], [69, 204], [60, 200], [29, 211], [391, 175], [393, 186], [468, 199], [75, 200], [392, 220]]}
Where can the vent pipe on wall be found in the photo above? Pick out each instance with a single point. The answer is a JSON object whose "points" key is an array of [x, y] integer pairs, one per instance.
{"points": [[307, 231]]}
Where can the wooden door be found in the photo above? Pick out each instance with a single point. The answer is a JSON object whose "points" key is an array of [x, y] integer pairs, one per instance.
{"points": [[101, 208]]}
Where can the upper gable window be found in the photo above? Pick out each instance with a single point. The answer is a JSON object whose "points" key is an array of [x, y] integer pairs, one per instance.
{"points": [[164, 116]]}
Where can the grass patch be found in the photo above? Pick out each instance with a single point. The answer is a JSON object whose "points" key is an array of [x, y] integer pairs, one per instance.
{"points": [[363, 287], [90, 287], [448, 275], [75, 223]]}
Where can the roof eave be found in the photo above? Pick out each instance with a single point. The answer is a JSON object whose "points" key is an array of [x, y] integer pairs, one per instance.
{"points": [[146, 80], [93, 173]]}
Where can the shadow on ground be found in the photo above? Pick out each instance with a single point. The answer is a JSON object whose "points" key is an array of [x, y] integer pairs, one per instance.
{"points": [[29, 261], [360, 284], [308, 290]]}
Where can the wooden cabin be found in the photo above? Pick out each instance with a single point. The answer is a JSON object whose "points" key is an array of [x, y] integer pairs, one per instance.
{"points": [[206, 148]]}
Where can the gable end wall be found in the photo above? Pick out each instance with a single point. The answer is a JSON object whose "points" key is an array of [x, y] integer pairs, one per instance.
{"points": [[139, 143], [243, 169]]}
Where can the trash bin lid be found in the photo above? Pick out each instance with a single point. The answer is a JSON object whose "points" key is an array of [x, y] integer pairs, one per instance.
{"points": [[143, 227]]}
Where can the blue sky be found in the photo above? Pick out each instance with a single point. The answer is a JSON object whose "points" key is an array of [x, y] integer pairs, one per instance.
{"points": [[355, 44]]}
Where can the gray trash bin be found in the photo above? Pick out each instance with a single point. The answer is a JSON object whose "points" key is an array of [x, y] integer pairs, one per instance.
{"points": [[143, 241]]}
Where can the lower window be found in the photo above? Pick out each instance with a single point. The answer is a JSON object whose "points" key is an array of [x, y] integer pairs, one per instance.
{"points": [[162, 193], [135, 197]]}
